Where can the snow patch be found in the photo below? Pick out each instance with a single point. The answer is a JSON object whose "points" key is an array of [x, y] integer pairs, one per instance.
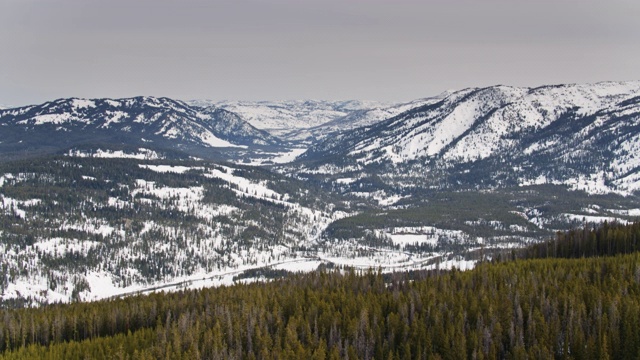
{"points": [[213, 141], [83, 103], [169, 168], [142, 154]]}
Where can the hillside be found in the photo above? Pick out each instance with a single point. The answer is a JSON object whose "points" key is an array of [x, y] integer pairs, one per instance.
{"points": [[86, 228], [541, 308]]}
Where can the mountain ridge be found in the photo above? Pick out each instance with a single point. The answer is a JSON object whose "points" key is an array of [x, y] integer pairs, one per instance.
{"points": [[483, 123], [63, 123]]}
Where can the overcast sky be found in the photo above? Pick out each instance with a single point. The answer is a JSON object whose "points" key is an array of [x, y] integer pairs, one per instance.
{"points": [[297, 49]]}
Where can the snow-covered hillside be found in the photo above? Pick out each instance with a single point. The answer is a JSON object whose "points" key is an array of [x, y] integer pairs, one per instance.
{"points": [[116, 226], [527, 128]]}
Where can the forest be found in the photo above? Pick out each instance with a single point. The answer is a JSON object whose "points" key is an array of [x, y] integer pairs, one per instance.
{"points": [[574, 297]]}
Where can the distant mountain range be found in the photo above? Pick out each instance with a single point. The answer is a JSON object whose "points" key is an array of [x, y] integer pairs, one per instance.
{"points": [[582, 135], [310, 120], [585, 136]]}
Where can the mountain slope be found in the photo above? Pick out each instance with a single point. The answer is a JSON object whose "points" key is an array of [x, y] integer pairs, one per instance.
{"points": [[134, 121], [87, 228], [589, 130]]}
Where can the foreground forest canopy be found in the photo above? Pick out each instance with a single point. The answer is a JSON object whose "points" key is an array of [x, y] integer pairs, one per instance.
{"points": [[575, 297]]}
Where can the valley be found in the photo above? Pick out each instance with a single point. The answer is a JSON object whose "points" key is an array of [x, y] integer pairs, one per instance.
{"points": [[112, 197]]}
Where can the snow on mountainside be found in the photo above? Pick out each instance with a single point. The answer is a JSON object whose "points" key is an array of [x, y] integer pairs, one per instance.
{"points": [[282, 118], [594, 125], [77, 228], [310, 119], [138, 120], [287, 115]]}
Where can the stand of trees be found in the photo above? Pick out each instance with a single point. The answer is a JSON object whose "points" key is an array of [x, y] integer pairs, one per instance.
{"points": [[607, 239], [575, 308]]}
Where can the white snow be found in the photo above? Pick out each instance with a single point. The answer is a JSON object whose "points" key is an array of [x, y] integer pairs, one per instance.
{"points": [[83, 103], [424, 235], [288, 157], [390, 200], [380, 196], [58, 247], [346, 181], [169, 168], [248, 188], [211, 140], [593, 219], [113, 117], [184, 195], [93, 226], [594, 184], [304, 265], [142, 154], [48, 119], [450, 264], [629, 183], [14, 206], [299, 120], [412, 239], [627, 212], [102, 286], [274, 158]]}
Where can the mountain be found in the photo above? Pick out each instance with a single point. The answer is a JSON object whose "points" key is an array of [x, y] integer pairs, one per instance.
{"points": [[309, 120], [585, 136], [281, 118], [143, 121]]}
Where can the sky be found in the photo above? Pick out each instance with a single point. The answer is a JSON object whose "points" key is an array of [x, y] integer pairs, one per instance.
{"points": [[386, 50]]}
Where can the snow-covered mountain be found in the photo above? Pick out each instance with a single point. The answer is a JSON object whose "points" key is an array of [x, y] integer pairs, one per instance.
{"points": [[588, 133], [133, 121], [310, 120], [284, 118]]}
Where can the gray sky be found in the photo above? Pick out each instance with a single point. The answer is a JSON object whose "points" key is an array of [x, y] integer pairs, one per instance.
{"points": [[297, 49]]}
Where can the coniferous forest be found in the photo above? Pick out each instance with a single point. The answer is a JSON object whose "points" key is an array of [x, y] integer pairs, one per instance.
{"points": [[576, 297]]}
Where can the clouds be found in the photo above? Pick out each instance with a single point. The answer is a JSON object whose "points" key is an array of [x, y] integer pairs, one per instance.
{"points": [[335, 49]]}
